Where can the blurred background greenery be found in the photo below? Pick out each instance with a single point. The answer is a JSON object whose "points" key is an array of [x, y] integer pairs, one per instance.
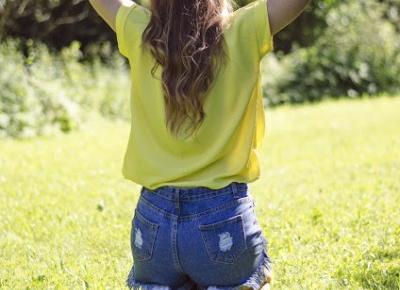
{"points": [[57, 58]]}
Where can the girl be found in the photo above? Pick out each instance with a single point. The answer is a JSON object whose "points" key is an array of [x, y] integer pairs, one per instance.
{"points": [[197, 124]]}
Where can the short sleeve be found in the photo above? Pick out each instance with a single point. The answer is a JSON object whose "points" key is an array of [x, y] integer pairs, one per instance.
{"points": [[262, 25], [129, 19]]}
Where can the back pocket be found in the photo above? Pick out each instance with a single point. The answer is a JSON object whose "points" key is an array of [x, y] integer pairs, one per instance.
{"points": [[143, 237], [224, 240]]}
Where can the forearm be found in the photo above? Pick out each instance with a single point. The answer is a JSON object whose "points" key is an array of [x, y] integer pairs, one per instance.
{"points": [[284, 12]]}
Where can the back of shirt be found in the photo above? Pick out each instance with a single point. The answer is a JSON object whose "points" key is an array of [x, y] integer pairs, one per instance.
{"points": [[225, 148]]}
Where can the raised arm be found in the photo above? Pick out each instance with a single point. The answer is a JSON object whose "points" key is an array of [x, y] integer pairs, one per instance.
{"points": [[283, 12], [108, 9]]}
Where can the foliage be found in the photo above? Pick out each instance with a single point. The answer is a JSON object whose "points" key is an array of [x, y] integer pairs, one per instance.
{"points": [[358, 54], [32, 100], [392, 12], [45, 93], [59, 22], [56, 23]]}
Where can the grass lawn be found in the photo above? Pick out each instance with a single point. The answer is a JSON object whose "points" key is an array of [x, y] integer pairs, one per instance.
{"points": [[328, 200]]}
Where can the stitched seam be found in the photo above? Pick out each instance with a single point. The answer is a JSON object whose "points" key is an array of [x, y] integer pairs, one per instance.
{"points": [[257, 28], [192, 216], [216, 225], [200, 196], [124, 21], [145, 220]]}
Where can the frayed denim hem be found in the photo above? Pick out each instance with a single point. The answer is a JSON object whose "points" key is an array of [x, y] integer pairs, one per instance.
{"points": [[261, 277], [133, 284]]}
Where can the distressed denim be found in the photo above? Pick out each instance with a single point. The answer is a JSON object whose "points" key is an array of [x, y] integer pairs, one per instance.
{"points": [[197, 239]]}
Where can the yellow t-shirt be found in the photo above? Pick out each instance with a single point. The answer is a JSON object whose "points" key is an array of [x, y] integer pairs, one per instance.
{"points": [[225, 148]]}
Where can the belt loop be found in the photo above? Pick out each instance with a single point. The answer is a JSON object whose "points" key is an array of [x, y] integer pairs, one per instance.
{"points": [[235, 190], [176, 198]]}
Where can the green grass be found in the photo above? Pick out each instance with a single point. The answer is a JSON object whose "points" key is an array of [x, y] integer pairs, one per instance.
{"points": [[328, 200]]}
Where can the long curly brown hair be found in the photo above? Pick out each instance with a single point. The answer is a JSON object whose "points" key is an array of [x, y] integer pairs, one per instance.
{"points": [[186, 39]]}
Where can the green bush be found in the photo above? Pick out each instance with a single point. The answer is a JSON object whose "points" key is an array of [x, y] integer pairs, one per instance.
{"points": [[32, 101], [358, 54], [43, 94]]}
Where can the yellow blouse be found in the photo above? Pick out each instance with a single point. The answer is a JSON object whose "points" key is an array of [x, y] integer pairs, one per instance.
{"points": [[225, 148]]}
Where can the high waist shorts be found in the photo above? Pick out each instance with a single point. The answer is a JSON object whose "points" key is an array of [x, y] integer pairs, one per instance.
{"points": [[198, 239]]}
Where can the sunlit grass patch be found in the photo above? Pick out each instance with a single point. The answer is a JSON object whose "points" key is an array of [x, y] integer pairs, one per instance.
{"points": [[328, 201]]}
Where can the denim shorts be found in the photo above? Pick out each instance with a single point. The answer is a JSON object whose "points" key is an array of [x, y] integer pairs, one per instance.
{"points": [[197, 239]]}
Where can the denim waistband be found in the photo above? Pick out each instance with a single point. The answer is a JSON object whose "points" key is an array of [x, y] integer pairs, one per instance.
{"points": [[174, 193]]}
